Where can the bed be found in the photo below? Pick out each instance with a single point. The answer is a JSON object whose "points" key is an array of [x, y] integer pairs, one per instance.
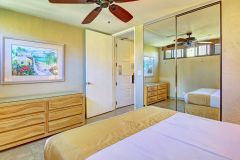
{"points": [[204, 102], [148, 134], [80, 143]]}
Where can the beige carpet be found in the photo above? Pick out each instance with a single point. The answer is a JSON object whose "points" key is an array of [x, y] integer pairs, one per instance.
{"points": [[171, 104]]}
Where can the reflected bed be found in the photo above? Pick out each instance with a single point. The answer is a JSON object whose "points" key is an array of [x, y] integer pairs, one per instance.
{"points": [[204, 102]]}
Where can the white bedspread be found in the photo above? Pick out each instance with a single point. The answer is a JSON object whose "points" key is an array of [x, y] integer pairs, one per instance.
{"points": [[180, 137], [215, 99], [213, 93]]}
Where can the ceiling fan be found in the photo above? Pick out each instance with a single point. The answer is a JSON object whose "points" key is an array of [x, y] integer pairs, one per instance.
{"points": [[189, 39], [188, 42], [182, 41], [115, 9]]}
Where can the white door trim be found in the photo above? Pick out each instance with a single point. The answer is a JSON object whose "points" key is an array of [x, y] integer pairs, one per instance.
{"points": [[115, 36], [132, 29]]}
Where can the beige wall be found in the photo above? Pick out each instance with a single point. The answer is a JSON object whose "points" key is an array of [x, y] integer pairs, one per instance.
{"points": [[27, 27], [193, 73], [152, 52], [231, 60], [167, 73]]}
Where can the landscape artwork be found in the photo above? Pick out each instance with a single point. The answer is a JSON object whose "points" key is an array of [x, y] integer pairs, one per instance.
{"points": [[31, 62], [148, 66]]}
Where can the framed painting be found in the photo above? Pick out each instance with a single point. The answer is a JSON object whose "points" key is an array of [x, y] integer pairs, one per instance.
{"points": [[148, 66], [31, 62]]}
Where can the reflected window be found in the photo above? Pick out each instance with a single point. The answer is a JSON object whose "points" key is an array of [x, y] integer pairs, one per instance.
{"points": [[217, 49], [191, 52], [180, 53], [168, 54], [202, 50], [209, 49], [198, 51]]}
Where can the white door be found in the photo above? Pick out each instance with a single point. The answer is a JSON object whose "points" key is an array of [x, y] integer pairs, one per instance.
{"points": [[124, 73], [99, 73]]}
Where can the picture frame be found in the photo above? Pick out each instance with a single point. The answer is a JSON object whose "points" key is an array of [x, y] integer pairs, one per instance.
{"points": [[148, 66], [25, 61]]}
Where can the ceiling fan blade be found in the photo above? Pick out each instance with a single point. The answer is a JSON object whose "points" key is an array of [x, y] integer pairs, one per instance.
{"points": [[124, 1], [181, 40], [171, 46], [120, 13], [92, 15], [72, 1], [191, 39]]}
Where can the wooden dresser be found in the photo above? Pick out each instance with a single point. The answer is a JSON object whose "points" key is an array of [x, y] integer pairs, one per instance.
{"points": [[27, 120], [155, 92]]}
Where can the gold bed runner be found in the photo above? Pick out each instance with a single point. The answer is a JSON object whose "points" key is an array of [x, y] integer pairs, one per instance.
{"points": [[203, 111], [82, 142], [199, 99]]}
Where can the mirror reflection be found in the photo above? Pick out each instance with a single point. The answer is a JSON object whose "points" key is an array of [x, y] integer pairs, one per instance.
{"points": [[198, 64], [159, 75], [185, 77]]}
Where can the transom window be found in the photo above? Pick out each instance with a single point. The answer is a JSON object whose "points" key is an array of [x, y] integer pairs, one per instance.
{"points": [[191, 52], [199, 51]]}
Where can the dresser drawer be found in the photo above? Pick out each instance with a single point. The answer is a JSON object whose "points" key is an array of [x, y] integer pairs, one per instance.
{"points": [[162, 86], [162, 91], [152, 93], [23, 121], [19, 109], [152, 99], [58, 114], [21, 134], [152, 88], [65, 122], [162, 97], [65, 101]]}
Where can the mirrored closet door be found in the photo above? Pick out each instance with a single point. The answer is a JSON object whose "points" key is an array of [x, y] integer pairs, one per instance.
{"points": [[199, 62], [159, 66], [182, 62]]}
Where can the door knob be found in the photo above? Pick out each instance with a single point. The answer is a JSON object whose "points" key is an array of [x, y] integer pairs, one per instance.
{"points": [[133, 78], [88, 83]]}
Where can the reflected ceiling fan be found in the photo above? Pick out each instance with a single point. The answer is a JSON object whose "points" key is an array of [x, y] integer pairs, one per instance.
{"points": [[188, 42], [115, 9]]}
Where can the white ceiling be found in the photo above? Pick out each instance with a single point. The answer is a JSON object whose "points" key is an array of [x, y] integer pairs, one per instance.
{"points": [[204, 24], [142, 10]]}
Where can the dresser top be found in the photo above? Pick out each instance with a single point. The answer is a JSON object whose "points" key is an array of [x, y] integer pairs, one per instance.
{"points": [[154, 84], [33, 97]]}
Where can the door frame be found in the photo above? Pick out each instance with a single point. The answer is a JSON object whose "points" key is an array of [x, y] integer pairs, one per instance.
{"points": [[115, 37]]}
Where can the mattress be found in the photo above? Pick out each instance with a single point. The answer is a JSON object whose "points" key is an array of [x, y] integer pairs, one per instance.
{"points": [[180, 137], [82, 142], [204, 96]]}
